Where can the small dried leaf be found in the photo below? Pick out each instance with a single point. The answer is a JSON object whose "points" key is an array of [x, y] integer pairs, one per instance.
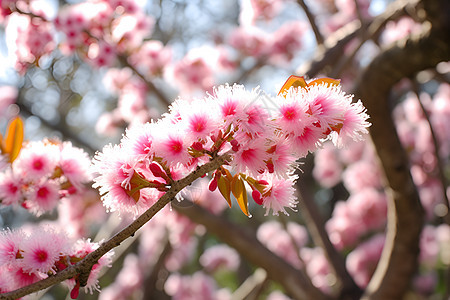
{"points": [[293, 81], [238, 190]]}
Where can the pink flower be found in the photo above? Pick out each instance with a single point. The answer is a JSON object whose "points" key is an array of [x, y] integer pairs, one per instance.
{"points": [[354, 125], [42, 197], [362, 261], [232, 102], [327, 169], [10, 188], [21, 278], [192, 73], [249, 40], [252, 10], [361, 175], [327, 103], [368, 208], [36, 160], [187, 287], [172, 146], [80, 250], [279, 194], [116, 170], [306, 141], [10, 245], [151, 58], [138, 140], [342, 228], [42, 249], [317, 268], [75, 163], [250, 157], [218, 257], [429, 247], [199, 118], [286, 42], [281, 157], [280, 241]]}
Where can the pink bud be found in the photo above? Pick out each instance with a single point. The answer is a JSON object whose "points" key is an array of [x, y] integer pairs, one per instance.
{"points": [[256, 195], [197, 146], [157, 170], [75, 291], [213, 184]]}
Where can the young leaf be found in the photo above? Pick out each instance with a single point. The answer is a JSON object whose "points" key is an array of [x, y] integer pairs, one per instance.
{"points": [[238, 190], [328, 81], [14, 138], [225, 188], [293, 81]]}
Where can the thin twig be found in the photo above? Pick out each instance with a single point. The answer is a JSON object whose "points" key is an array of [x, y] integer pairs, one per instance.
{"points": [[312, 22], [161, 97], [316, 226], [83, 267], [394, 11]]}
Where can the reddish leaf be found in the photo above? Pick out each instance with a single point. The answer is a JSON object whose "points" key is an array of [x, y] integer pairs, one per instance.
{"points": [[238, 190], [293, 81]]}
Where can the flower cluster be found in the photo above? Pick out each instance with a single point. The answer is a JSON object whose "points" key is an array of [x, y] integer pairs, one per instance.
{"points": [[263, 140], [43, 173], [27, 257]]}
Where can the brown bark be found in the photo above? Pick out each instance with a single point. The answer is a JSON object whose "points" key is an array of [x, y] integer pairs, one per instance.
{"points": [[405, 214], [294, 281]]}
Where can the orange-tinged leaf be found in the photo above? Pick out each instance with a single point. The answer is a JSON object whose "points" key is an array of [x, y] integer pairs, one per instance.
{"points": [[225, 188], [293, 81], [14, 138], [2, 150], [238, 190], [328, 81]]}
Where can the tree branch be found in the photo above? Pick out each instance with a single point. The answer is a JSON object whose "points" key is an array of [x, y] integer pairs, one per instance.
{"points": [[405, 213], [293, 280], [83, 267], [312, 22]]}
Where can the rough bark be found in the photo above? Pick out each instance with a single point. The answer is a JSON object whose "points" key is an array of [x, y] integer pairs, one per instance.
{"points": [[405, 214]]}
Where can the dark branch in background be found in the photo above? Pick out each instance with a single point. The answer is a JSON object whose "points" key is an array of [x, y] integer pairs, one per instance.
{"points": [[294, 281], [439, 162], [316, 225], [398, 262], [332, 49], [66, 133], [312, 22], [152, 88], [84, 267], [394, 11]]}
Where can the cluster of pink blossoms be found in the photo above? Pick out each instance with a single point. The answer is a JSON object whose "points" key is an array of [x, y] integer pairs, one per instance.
{"points": [[44, 173], [27, 257], [264, 142]]}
